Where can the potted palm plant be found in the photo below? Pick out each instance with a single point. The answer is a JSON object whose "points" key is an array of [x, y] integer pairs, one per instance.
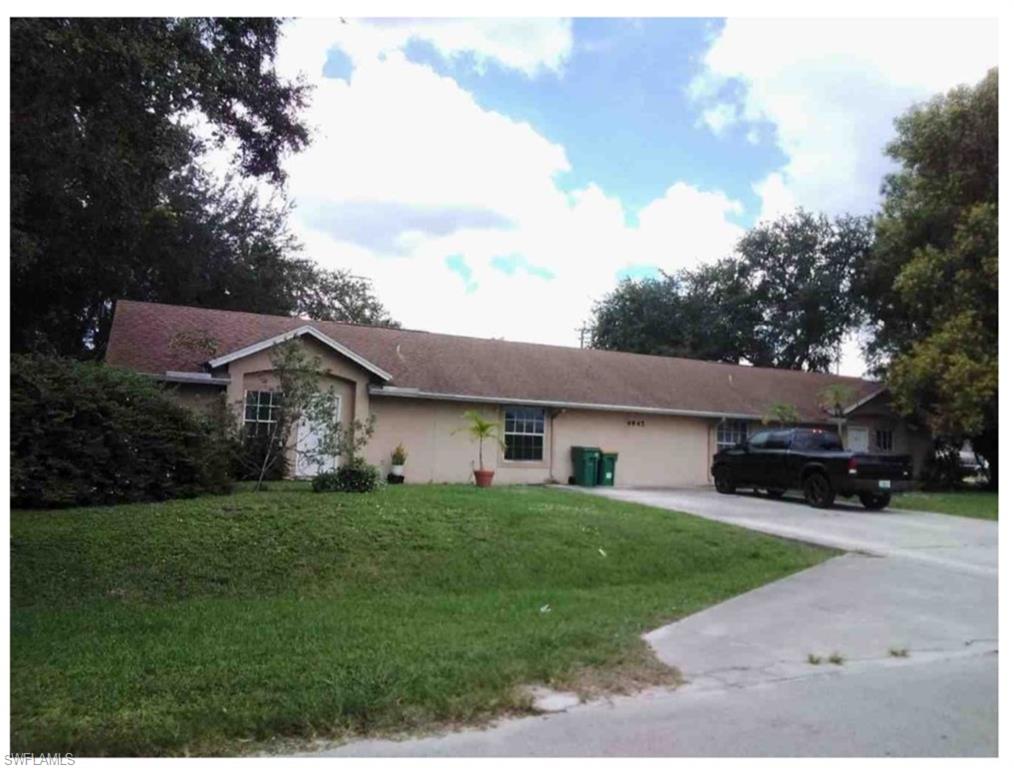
{"points": [[398, 457], [481, 429]]}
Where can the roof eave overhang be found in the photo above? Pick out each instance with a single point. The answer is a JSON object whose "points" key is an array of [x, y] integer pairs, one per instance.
{"points": [[305, 330], [409, 392], [190, 377], [864, 401]]}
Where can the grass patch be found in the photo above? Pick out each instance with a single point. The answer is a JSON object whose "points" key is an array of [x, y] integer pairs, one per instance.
{"points": [[224, 623], [983, 505]]}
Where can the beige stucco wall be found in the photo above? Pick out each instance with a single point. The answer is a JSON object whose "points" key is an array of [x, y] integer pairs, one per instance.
{"points": [[438, 451], [255, 371], [878, 414], [653, 451], [344, 377]]}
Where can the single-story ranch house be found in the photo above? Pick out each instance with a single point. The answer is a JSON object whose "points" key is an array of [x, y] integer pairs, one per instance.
{"points": [[665, 416]]}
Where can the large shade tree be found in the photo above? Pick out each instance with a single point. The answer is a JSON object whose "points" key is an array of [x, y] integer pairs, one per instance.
{"points": [[784, 300], [704, 313], [931, 286], [110, 120]]}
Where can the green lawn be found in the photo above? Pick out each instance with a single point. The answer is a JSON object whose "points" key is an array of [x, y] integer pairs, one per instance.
{"points": [[972, 503], [230, 623]]}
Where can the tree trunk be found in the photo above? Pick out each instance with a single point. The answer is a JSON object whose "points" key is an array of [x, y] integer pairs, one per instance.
{"points": [[268, 450]]}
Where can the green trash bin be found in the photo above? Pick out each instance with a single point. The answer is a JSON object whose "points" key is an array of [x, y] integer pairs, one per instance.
{"points": [[607, 469], [586, 464]]}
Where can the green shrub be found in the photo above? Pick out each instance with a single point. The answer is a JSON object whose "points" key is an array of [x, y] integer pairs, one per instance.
{"points": [[326, 481], [85, 433], [358, 477], [941, 470], [355, 477]]}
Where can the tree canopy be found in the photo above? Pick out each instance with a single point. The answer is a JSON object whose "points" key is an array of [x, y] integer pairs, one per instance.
{"points": [[785, 300], [930, 286], [921, 279], [110, 122]]}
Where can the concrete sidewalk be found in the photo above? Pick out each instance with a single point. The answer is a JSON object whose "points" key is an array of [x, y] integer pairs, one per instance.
{"points": [[911, 709], [923, 587]]}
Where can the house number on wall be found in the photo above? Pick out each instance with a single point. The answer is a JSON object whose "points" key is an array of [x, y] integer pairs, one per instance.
{"points": [[635, 422]]}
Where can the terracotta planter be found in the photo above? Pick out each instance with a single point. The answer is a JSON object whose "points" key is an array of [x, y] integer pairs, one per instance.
{"points": [[483, 477]]}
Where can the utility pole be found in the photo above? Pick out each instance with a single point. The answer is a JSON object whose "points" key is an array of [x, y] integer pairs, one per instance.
{"points": [[584, 329]]}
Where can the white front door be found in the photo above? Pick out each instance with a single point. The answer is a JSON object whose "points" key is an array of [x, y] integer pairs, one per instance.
{"points": [[858, 439], [308, 463]]}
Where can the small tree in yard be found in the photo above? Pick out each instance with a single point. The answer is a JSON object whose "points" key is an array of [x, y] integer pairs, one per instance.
{"points": [[834, 399], [297, 396], [781, 414], [337, 439]]}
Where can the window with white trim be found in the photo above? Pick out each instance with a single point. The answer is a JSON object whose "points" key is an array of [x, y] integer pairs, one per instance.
{"points": [[884, 439], [524, 430], [731, 433], [260, 411]]}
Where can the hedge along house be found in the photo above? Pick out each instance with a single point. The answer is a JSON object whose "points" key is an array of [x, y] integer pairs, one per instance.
{"points": [[665, 416]]}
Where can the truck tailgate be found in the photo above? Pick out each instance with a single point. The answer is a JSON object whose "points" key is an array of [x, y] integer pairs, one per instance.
{"points": [[871, 466]]}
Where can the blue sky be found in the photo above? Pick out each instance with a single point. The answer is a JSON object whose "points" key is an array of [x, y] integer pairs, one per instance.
{"points": [[622, 111], [495, 177]]}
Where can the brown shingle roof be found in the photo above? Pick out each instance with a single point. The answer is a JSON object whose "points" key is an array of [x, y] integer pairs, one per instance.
{"points": [[155, 338]]}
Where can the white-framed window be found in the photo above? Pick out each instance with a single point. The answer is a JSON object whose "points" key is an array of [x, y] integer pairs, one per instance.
{"points": [[260, 411], [884, 439], [524, 430], [731, 433]]}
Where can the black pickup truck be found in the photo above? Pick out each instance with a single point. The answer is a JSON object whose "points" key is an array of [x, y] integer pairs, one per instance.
{"points": [[813, 460]]}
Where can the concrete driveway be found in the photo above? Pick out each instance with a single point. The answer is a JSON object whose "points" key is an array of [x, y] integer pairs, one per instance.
{"points": [[955, 543], [911, 611]]}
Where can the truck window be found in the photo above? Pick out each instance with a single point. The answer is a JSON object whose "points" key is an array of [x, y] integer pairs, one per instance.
{"points": [[779, 441], [815, 440], [829, 441], [758, 440]]}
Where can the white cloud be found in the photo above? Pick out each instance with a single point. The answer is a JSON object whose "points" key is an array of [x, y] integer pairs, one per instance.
{"points": [[687, 227], [407, 170], [399, 131], [831, 89], [776, 198], [531, 46], [718, 117], [528, 45]]}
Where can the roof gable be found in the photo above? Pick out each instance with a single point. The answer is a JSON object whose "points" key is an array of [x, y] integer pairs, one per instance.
{"points": [[305, 330]]}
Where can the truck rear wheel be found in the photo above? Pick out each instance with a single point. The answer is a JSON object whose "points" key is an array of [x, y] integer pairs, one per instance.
{"points": [[818, 491], [875, 500]]}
